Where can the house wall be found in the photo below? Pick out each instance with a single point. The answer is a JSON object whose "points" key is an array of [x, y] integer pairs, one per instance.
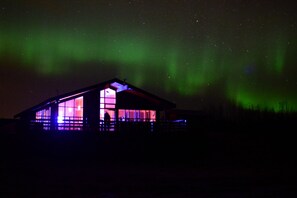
{"points": [[91, 109]]}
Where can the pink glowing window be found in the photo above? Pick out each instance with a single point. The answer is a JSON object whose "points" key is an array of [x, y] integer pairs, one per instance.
{"points": [[70, 114], [110, 100], [69, 103], [109, 106], [109, 93], [43, 116], [137, 115]]}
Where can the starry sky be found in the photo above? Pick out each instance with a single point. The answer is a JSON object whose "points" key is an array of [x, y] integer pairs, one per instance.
{"points": [[196, 53]]}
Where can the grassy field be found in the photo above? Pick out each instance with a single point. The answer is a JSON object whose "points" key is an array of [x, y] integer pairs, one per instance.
{"points": [[201, 162]]}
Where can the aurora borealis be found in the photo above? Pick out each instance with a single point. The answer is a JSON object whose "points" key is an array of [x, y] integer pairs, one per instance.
{"points": [[190, 52]]}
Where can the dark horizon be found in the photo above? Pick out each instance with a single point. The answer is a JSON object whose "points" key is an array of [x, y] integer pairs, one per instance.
{"points": [[211, 160]]}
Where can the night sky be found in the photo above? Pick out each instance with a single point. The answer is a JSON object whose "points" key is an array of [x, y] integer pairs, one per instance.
{"points": [[198, 53]]}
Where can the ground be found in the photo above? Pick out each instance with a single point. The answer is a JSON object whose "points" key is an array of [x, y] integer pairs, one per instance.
{"points": [[188, 164]]}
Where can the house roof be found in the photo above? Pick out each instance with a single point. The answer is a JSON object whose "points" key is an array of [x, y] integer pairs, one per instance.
{"points": [[119, 85]]}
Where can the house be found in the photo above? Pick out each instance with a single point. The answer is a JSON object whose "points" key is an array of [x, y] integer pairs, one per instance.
{"points": [[85, 109]]}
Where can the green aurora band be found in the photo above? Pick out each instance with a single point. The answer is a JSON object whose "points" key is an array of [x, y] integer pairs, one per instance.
{"points": [[243, 71]]}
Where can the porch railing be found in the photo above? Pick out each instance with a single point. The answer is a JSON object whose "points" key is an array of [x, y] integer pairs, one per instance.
{"points": [[112, 126]]}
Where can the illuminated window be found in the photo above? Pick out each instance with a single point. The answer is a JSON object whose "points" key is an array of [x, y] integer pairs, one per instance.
{"points": [[44, 117], [70, 114], [107, 98], [107, 103], [137, 115]]}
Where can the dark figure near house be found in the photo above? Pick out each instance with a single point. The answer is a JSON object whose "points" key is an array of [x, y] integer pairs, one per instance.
{"points": [[106, 121]]}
